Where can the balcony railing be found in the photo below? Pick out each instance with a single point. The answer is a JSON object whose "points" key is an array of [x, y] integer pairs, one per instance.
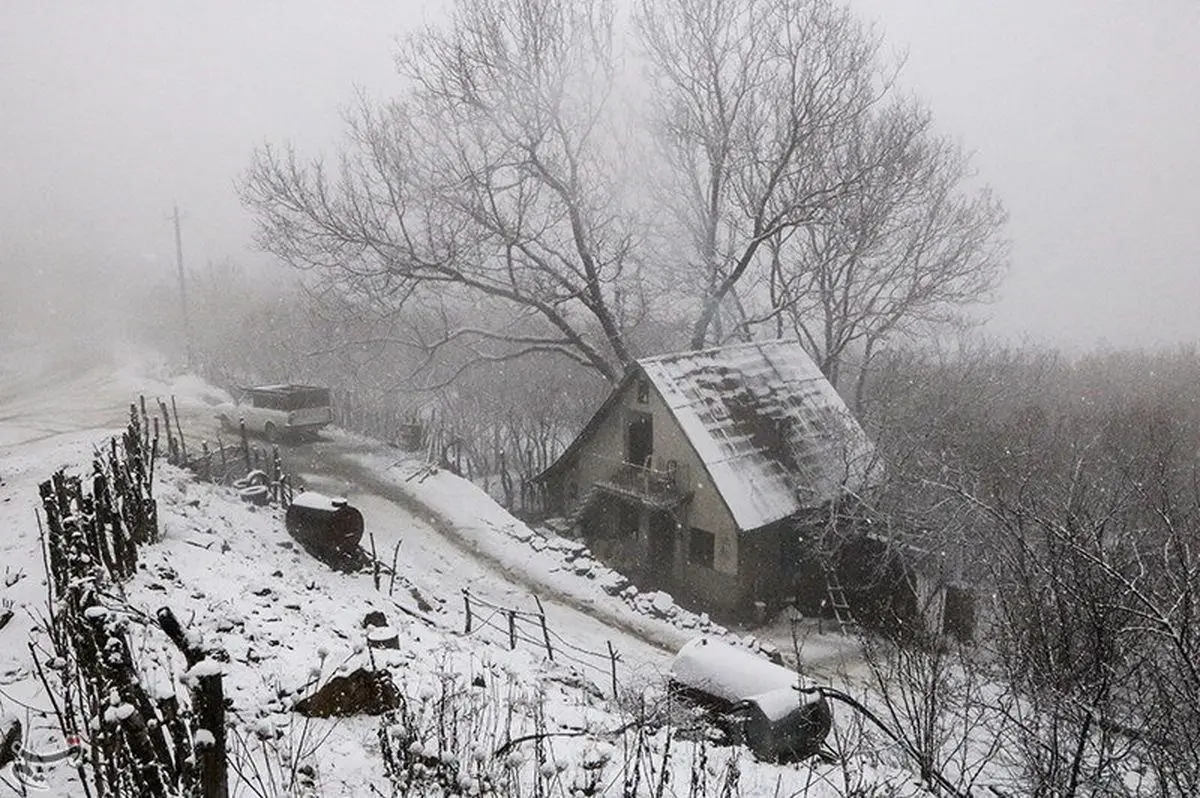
{"points": [[657, 483]]}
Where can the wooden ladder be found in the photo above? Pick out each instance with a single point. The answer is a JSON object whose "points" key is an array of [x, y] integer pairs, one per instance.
{"points": [[837, 600]]}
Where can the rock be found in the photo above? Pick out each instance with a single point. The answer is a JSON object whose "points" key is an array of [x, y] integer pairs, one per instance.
{"points": [[520, 532], [583, 566], [662, 605], [362, 692], [612, 582], [374, 618], [572, 548], [10, 736], [537, 544]]}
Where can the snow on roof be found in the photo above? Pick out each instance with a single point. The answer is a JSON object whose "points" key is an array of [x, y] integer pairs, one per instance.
{"points": [[771, 430]]}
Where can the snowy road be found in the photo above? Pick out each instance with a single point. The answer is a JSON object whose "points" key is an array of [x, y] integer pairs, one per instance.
{"points": [[48, 400]]}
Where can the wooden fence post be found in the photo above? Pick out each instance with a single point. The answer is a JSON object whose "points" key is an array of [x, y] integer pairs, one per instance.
{"points": [[545, 628], [467, 604], [179, 427], [277, 475], [209, 698], [612, 656], [395, 559], [146, 419], [512, 629], [374, 562]]}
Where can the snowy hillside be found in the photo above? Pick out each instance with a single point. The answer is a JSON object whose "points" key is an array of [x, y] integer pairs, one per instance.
{"points": [[289, 624]]}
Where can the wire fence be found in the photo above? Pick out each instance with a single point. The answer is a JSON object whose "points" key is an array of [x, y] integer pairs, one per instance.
{"points": [[531, 628], [257, 473]]}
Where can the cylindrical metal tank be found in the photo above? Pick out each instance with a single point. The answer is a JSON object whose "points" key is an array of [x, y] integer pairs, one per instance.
{"points": [[327, 527], [769, 708]]}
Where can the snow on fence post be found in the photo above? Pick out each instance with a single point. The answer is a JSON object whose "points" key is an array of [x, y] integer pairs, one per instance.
{"points": [[467, 605]]}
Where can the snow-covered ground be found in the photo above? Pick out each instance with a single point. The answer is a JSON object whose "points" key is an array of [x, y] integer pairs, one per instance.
{"points": [[289, 623]]}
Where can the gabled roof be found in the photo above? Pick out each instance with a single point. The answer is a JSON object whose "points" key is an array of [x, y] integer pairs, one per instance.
{"points": [[770, 429]]}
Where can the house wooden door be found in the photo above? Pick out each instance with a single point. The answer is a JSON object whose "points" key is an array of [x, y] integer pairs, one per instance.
{"points": [[639, 440], [662, 546]]}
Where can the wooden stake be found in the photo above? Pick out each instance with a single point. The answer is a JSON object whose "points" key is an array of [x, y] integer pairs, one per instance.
{"points": [[374, 561], [395, 558], [545, 628], [612, 656]]}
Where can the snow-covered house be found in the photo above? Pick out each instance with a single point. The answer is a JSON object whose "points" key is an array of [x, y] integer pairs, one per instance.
{"points": [[694, 472]]}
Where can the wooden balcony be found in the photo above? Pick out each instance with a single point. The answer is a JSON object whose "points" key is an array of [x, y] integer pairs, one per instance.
{"points": [[659, 485]]}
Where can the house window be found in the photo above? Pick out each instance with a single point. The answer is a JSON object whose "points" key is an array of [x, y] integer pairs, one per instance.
{"points": [[643, 391], [701, 546]]}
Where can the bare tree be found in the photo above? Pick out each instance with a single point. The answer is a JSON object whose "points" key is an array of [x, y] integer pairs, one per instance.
{"points": [[491, 182], [904, 253], [754, 98], [524, 196]]}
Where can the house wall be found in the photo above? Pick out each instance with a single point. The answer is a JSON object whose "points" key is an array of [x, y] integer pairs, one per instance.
{"points": [[604, 452]]}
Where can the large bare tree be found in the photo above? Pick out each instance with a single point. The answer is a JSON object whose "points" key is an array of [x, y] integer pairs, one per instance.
{"points": [[754, 100], [905, 253], [490, 185], [525, 194]]}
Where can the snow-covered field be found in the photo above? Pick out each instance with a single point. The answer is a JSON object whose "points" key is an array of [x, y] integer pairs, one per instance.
{"points": [[289, 623]]}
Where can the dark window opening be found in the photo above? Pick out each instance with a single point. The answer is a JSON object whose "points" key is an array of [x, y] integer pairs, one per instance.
{"points": [[643, 391], [639, 440], [289, 397], [701, 547]]}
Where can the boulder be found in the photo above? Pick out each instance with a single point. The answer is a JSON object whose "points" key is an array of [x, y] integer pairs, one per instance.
{"points": [[612, 582], [662, 605], [362, 692]]}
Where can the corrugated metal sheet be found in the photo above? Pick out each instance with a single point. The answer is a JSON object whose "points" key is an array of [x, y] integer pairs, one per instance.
{"points": [[773, 433]]}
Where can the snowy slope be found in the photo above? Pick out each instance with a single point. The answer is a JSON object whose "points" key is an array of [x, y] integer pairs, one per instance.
{"points": [[289, 623]]}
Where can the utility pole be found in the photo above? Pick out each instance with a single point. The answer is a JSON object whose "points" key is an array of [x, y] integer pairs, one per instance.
{"points": [[183, 303]]}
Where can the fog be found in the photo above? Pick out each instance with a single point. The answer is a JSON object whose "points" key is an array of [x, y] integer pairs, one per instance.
{"points": [[1084, 115]]}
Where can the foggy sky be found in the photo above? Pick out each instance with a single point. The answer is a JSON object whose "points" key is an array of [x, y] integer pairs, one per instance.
{"points": [[1083, 114]]}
